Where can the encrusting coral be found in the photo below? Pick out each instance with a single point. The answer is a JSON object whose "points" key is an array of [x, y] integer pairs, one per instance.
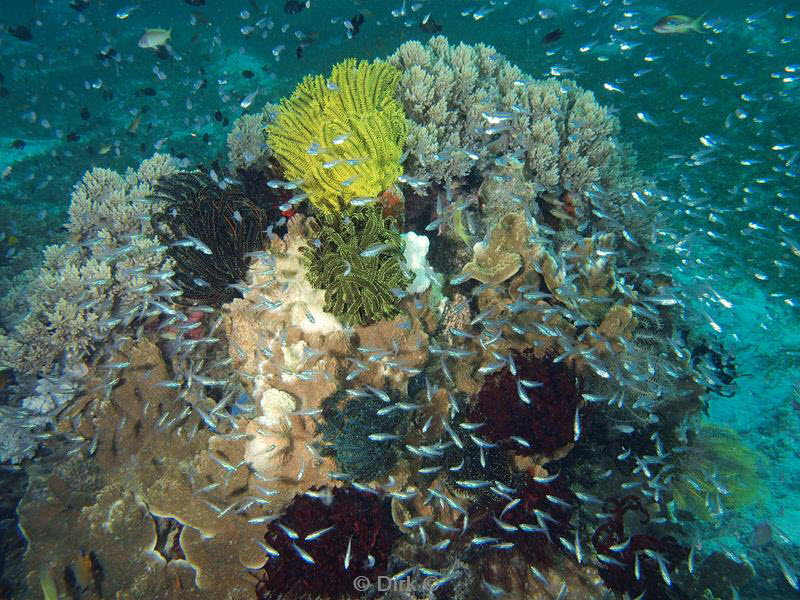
{"points": [[137, 473], [341, 137], [498, 260]]}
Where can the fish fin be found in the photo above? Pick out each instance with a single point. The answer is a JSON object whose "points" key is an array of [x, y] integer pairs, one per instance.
{"points": [[697, 24]]}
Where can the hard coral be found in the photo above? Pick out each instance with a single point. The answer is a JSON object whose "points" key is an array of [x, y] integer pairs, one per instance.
{"points": [[85, 289], [224, 220], [546, 421], [357, 546], [342, 137], [358, 288]]}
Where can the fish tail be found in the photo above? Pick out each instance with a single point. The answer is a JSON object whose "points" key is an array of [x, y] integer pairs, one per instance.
{"points": [[697, 24]]}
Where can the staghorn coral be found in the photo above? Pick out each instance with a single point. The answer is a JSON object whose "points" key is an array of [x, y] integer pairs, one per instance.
{"points": [[358, 287], [342, 138], [226, 224]]}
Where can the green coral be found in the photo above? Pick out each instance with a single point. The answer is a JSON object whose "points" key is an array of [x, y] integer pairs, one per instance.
{"points": [[343, 137], [348, 423], [358, 289]]}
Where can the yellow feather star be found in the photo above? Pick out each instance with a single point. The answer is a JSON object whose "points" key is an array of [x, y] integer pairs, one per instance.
{"points": [[342, 137]]}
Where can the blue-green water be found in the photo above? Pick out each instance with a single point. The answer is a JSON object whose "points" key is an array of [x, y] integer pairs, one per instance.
{"points": [[711, 118]]}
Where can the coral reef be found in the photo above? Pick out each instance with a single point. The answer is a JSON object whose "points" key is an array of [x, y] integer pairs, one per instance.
{"points": [[522, 425], [355, 258], [342, 137]]}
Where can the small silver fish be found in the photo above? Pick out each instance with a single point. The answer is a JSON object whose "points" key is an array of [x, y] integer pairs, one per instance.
{"points": [[348, 553], [303, 554], [375, 249], [318, 534], [383, 437]]}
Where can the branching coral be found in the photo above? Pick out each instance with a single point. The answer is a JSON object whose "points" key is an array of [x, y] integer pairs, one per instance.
{"points": [[342, 137], [247, 141], [209, 232], [83, 290], [450, 94], [358, 264]]}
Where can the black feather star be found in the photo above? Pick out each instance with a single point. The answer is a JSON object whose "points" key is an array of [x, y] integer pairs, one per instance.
{"points": [[224, 220]]}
